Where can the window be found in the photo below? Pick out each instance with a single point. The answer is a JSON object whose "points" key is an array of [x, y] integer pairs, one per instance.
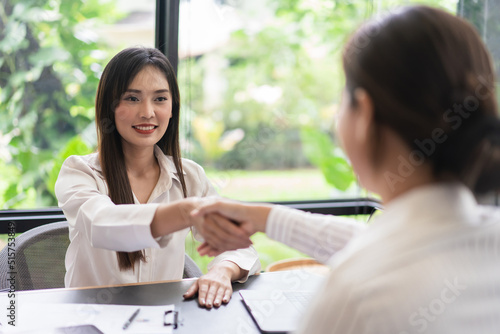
{"points": [[51, 57], [260, 84]]}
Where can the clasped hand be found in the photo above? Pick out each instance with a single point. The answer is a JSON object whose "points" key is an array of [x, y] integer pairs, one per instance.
{"points": [[224, 225]]}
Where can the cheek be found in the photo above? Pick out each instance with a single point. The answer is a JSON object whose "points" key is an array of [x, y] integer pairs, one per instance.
{"points": [[344, 131], [165, 112], [122, 118], [346, 134], [122, 113]]}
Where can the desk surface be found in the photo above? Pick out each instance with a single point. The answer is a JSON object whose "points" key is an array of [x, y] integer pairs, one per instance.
{"points": [[232, 318]]}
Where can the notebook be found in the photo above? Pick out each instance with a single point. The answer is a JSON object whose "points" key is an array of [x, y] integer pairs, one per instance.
{"points": [[80, 329], [277, 311]]}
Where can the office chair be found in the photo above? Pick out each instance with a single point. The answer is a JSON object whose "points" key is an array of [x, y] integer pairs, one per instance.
{"points": [[39, 259]]}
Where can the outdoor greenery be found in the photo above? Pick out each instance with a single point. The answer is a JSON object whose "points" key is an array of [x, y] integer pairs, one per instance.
{"points": [[49, 70], [280, 91]]}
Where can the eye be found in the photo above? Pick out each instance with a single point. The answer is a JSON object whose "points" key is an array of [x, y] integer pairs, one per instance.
{"points": [[131, 98], [161, 99]]}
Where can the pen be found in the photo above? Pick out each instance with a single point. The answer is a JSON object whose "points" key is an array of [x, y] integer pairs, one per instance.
{"points": [[132, 317]]}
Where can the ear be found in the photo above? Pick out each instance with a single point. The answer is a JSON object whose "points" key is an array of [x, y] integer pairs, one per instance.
{"points": [[365, 117]]}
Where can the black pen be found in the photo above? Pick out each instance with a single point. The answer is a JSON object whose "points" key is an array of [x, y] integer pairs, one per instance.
{"points": [[132, 317]]}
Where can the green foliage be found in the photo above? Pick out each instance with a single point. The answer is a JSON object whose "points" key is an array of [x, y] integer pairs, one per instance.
{"points": [[48, 78], [213, 139], [321, 151], [277, 79], [76, 146]]}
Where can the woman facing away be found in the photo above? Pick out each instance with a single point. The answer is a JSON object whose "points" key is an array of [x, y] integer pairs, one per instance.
{"points": [[128, 205], [419, 123]]}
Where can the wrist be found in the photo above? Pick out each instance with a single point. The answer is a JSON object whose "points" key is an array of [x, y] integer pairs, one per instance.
{"points": [[229, 270], [173, 217], [186, 206], [259, 215]]}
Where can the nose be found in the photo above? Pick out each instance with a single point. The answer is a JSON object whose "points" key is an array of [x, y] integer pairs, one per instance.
{"points": [[147, 110]]}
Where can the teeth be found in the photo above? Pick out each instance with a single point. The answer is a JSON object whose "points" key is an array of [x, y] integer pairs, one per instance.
{"points": [[144, 128]]}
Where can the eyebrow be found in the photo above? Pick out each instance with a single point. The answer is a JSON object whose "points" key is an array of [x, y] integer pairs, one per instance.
{"points": [[137, 91]]}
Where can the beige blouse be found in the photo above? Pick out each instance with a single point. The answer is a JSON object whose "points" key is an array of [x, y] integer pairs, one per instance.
{"points": [[98, 228]]}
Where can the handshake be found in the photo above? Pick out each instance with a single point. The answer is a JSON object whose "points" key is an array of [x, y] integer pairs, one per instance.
{"points": [[224, 224]]}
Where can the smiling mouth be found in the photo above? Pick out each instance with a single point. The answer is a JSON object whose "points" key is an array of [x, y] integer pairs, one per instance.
{"points": [[145, 128]]}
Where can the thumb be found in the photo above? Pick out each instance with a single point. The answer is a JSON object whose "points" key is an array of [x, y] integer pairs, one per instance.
{"points": [[191, 291], [248, 227]]}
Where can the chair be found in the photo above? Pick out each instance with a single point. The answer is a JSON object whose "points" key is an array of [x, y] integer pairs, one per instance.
{"points": [[39, 259], [307, 264], [191, 269]]}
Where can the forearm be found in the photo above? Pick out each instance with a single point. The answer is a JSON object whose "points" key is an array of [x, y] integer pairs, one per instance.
{"points": [[319, 236], [173, 217], [257, 215]]}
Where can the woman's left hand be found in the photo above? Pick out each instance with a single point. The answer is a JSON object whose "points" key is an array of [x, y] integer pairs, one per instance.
{"points": [[215, 288]]}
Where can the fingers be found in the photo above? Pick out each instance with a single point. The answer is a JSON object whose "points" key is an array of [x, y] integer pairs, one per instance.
{"points": [[223, 234], [228, 227], [224, 208], [206, 249], [211, 296], [215, 232], [227, 295], [191, 291], [202, 292], [214, 290]]}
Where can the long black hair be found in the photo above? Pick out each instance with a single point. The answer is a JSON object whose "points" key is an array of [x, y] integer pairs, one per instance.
{"points": [[116, 78]]}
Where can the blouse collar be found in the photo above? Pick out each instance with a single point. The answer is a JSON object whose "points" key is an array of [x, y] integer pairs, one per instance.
{"points": [[166, 163], [431, 204]]}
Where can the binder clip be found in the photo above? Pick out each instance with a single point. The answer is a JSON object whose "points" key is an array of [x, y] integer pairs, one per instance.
{"points": [[175, 319]]}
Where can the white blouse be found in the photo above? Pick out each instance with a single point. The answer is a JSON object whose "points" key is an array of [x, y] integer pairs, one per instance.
{"points": [[98, 228], [429, 264]]}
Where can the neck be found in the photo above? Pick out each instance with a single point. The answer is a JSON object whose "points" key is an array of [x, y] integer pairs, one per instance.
{"points": [[140, 161], [397, 180], [399, 169]]}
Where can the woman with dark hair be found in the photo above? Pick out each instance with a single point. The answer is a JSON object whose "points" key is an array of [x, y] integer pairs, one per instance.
{"points": [[419, 123], [113, 239]]}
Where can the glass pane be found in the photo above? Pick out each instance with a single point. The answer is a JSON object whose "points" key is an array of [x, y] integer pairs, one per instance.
{"points": [[51, 56], [485, 15], [261, 82]]}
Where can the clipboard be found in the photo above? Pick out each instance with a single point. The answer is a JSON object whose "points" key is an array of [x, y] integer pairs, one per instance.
{"points": [[81, 318]]}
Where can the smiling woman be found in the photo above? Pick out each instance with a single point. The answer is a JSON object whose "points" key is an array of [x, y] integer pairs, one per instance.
{"points": [[128, 205]]}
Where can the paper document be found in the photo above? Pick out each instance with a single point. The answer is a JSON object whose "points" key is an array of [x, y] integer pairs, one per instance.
{"points": [[107, 318]]}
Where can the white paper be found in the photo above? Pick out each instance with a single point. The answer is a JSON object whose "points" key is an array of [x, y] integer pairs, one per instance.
{"points": [[108, 318]]}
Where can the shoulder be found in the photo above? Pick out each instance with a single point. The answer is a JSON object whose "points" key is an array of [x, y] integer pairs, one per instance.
{"points": [[76, 171], [489, 214], [191, 166], [83, 161]]}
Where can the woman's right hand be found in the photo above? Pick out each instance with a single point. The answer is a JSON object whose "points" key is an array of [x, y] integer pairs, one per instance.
{"points": [[228, 225]]}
